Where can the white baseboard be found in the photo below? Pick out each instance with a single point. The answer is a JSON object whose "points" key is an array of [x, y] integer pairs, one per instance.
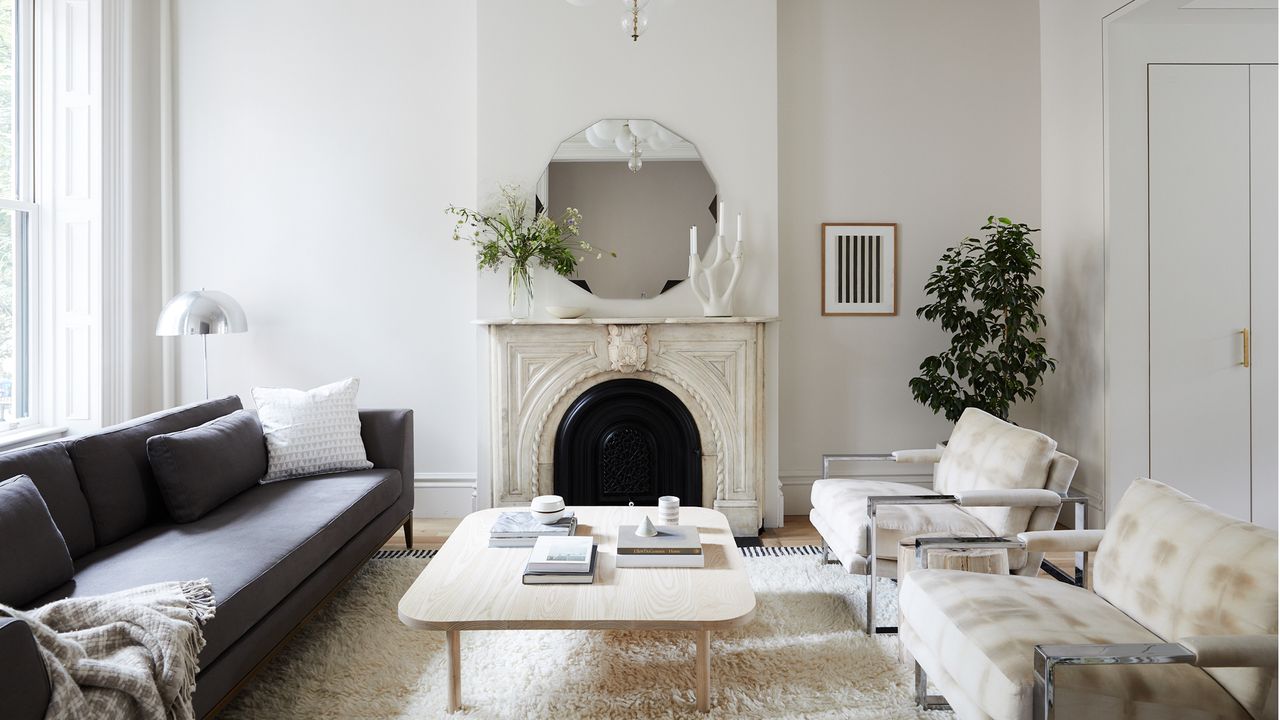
{"points": [[444, 494]]}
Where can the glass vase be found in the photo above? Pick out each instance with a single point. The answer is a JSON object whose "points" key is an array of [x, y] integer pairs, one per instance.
{"points": [[520, 284]]}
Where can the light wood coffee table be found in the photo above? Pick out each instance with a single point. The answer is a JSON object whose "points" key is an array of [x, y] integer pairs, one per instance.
{"points": [[471, 586]]}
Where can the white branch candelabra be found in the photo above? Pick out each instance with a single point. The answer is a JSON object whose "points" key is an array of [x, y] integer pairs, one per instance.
{"points": [[716, 301]]}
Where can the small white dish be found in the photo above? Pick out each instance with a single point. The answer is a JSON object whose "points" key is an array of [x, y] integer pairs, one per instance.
{"points": [[565, 312]]}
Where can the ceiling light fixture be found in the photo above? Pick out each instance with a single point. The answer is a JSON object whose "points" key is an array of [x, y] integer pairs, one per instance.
{"points": [[634, 21]]}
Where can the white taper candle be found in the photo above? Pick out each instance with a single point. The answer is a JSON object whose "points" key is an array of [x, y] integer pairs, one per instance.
{"points": [[739, 227], [693, 239]]}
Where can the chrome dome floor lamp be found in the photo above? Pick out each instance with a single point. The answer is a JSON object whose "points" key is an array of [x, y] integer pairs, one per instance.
{"points": [[203, 313]]}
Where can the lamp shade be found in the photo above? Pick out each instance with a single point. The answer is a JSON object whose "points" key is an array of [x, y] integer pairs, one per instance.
{"points": [[201, 312]]}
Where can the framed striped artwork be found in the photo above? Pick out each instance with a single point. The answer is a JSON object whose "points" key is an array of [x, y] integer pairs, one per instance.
{"points": [[859, 268]]}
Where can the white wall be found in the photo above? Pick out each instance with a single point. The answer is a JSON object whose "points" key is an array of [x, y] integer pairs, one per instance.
{"points": [[920, 112], [1071, 216], [707, 70], [318, 143]]}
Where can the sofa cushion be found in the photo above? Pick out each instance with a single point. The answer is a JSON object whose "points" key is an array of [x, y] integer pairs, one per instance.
{"points": [[200, 468], [987, 453], [50, 468], [981, 631], [115, 473], [842, 505], [1183, 569], [33, 555], [311, 431], [254, 549]]}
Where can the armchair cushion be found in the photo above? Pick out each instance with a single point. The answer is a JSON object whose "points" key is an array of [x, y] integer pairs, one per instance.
{"points": [[928, 455], [1021, 497], [987, 453], [979, 632], [1233, 650], [840, 514], [1183, 569], [1061, 540]]}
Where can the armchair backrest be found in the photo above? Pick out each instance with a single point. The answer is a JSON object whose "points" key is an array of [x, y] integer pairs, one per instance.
{"points": [[1183, 569], [987, 453]]}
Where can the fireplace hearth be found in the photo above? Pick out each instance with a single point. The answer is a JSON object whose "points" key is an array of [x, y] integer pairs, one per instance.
{"points": [[627, 441]]}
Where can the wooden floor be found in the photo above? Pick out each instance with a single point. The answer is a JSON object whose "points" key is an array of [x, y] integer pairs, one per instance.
{"points": [[430, 533]]}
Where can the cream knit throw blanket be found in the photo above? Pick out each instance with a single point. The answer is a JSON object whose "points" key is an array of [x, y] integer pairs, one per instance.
{"points": [[130, 654]]}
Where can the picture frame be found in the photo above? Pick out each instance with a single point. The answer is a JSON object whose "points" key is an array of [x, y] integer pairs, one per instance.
{"points": [[859, 268]]}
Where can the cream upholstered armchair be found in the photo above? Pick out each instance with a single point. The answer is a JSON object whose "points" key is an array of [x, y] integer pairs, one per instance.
{"points": [[1181, 621], [992, 479]]}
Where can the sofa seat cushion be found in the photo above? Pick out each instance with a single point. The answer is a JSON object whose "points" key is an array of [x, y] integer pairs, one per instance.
{"points": [[841, 509], [255, 548], [981, 631]]}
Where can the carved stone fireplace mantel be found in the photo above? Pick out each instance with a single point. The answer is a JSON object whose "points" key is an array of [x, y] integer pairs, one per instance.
{"points": [[715, 366]]}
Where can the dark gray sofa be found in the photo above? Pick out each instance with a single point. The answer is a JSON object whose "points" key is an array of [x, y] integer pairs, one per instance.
{"points": [[272, 553]]}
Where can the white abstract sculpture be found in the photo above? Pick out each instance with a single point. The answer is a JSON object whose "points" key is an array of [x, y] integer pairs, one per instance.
{"points": [[716, 301], [646, 528]]}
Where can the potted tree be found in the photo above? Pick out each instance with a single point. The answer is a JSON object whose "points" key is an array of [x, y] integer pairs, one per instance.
{"points": [[984, 294]]}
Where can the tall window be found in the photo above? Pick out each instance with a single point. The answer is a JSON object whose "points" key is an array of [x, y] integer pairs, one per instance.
{"points": [[17, 209]]}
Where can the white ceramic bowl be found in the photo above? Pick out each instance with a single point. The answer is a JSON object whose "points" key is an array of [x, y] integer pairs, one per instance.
{"points": [[547, 518], [547, 503], [564, 312]]}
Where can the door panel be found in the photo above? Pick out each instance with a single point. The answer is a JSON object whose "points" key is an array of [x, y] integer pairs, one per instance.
{"points": [[1263, 268], [1198, 118]]}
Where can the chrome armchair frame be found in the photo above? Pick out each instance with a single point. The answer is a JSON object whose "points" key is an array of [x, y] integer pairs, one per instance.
{"points": [[1048, 657], [1078, 500], [923, 545]]}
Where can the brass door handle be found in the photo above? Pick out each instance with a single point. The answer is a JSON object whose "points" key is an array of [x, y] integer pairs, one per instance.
{"points": [[1244, 336]]}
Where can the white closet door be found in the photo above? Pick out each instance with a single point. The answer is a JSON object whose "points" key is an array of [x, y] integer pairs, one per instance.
{"points": [[1263, 130], [1198, 120]]}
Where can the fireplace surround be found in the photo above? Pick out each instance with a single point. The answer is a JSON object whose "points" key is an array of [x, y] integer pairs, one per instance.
{"points": [[713, 367]]}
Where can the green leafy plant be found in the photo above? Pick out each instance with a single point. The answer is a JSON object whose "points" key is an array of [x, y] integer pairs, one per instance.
{"points": [[512, 234], [985, 295]]}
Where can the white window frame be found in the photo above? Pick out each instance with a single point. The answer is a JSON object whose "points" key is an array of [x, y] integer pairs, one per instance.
{"points": [[25, 44]]}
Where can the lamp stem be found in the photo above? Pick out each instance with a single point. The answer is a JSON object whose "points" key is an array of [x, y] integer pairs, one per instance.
{"points": [[205, 340]]}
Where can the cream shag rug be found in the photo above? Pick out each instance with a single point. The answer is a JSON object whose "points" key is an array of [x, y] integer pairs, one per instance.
{"points": [[803, 656]]}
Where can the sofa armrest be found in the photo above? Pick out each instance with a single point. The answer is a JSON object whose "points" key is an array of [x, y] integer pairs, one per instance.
{"points": [[928, 455], [388, 441], [24, 682], [1013, 497], [1062, 540], [1222, 651]]}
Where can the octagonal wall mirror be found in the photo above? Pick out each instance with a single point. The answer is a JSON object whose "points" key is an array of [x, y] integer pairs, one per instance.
{"points": [[639, 187]]}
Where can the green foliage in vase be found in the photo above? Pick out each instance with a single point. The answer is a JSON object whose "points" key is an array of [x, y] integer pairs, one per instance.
{"points": [[984, 294], [514, 234]]}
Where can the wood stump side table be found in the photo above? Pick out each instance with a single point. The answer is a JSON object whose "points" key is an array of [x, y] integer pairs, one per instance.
{"points": [[992, 561]]}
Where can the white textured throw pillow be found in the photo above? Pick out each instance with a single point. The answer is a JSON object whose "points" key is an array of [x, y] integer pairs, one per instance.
{"points": [[310, 432]]}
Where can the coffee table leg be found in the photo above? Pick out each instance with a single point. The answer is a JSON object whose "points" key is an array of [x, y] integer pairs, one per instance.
{"points": [[703, 670], [453, 642]]}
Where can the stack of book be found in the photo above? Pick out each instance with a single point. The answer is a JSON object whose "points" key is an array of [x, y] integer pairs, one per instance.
{"points": [[521, 529], [561, 560], [673, 546]]}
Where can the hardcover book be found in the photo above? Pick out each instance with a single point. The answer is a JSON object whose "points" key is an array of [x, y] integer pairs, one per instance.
{"points": [[523, 524], [673, 546], [561, 555], [563, 578]]}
